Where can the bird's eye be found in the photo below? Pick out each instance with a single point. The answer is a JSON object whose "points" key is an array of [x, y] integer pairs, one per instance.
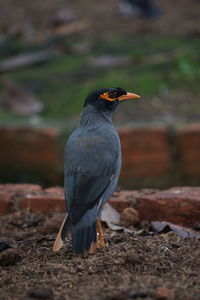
{"points": [[112, 94]]}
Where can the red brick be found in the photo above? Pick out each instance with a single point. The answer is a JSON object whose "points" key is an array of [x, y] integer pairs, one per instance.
{"points": [[43, 203], [55, 191], [179, 205], [123, 199], [145, 152], [29, 149], [189, 145], [21, 188], [10, 194], [5, 202]]}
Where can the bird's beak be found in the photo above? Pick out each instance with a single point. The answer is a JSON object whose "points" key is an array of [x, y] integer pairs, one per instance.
{"points": [[128, 96]]}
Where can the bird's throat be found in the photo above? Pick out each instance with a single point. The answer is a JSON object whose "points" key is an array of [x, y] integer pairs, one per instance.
{"points": [[91, 116]]}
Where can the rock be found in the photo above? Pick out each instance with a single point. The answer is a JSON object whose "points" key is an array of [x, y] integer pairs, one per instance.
{"points": [[163, 293], [129, 217], [134, 259]]}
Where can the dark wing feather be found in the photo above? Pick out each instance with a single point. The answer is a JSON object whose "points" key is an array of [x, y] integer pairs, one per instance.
{"points": [[90, 162]]}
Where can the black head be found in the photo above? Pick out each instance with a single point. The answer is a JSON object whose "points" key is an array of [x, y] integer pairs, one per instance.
{"points": [[107, 99]]}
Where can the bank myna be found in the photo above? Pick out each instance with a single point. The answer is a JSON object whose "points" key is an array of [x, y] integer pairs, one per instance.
{"points": [[92, 162]]}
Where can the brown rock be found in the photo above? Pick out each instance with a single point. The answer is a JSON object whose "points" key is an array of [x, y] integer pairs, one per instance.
{"points": [[134, 259], [129, 217], [163, 293], [179, 205]]}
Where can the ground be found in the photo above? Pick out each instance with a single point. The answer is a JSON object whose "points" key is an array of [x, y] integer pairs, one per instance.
{"points": [[178, 17], [162, 266], [160, 59]]}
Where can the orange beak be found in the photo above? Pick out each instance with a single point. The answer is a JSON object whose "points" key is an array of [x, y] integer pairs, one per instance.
{"points": [[128, 96]]}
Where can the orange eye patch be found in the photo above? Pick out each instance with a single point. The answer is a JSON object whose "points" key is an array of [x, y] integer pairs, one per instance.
{"points": [[110, 96]]}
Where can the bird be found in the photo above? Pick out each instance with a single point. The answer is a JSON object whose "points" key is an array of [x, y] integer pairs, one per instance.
{"points": [[92, 163], [146, 8]]}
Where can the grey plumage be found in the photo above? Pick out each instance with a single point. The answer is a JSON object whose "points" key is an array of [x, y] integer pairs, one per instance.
{"points": [[92, 165], [92, 162]]}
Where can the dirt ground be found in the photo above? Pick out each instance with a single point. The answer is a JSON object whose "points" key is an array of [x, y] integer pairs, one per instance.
{"points": [[178, 16], [130, 267]]}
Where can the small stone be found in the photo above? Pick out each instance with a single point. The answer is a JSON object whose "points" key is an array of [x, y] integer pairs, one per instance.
{"points": [[163, 293], [134, 259], [129, 217], [41, 293]]}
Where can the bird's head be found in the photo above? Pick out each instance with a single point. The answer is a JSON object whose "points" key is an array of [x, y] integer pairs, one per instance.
{"points": [[107, 99]]}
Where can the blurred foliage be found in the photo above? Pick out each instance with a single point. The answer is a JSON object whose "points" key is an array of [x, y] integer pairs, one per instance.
{"points": [[155, 64]]}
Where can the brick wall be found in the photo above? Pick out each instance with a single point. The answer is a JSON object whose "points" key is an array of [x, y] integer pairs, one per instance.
{"points": [[179, 205], [152, 157]]}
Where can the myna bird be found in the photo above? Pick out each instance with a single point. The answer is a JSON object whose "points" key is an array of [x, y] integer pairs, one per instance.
{"points": [[92, 162]]}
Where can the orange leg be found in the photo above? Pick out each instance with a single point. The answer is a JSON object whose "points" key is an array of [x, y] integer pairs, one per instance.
{"points": [[100, 241]]}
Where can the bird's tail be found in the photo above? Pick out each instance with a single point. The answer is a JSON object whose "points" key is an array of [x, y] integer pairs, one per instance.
{"points": [[61, 234], [84, 234]]}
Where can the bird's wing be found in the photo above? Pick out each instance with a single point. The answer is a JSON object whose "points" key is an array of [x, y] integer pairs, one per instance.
{"points": [[90, 163]]}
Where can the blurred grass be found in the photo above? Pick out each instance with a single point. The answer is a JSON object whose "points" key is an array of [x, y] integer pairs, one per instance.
{"points": [[62, 84]]}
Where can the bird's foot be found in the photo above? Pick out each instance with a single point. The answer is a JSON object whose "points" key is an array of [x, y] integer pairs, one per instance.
{"points": [[100, 240], [100, 244]]}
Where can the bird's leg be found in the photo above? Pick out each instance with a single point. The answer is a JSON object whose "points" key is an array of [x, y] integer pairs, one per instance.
{"points": [[100, 241]]}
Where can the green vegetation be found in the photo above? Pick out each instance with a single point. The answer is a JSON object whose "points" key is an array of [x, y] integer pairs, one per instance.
{"points": [[62, 84]]}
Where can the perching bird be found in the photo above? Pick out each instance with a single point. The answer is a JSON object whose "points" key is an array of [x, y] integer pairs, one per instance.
{"points": [[92, 162]]}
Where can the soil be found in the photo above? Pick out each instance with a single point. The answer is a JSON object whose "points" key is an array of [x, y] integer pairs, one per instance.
{"points": [[178, 17], [162, 266]]}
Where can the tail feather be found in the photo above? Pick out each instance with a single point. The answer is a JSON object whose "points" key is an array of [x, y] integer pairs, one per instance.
{"points": [[61, 234], [83, 239], [84, 233]]}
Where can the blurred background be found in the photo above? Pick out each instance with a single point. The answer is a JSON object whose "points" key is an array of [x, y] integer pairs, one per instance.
{"points": [[54, 52]]}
